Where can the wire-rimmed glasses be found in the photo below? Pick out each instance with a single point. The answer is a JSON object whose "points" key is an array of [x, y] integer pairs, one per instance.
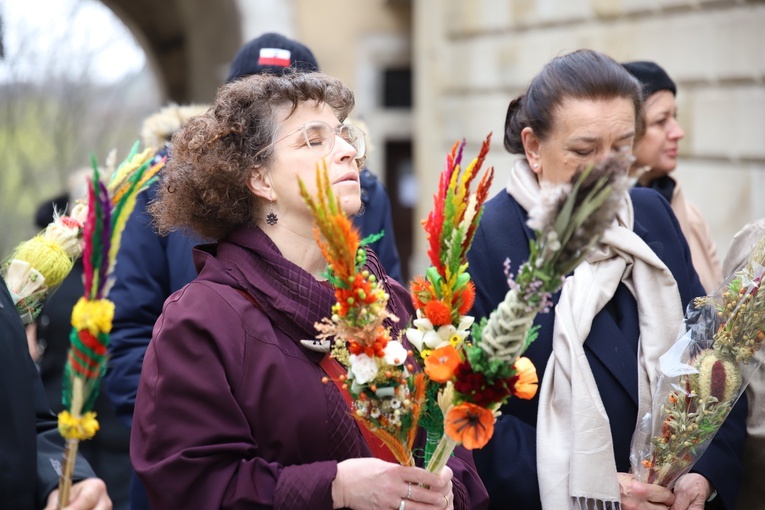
{"points": [[320, 138]]}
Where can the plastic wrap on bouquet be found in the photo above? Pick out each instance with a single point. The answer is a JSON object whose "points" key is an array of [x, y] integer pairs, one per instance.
{"points": [[702, 375], [38, 266]]}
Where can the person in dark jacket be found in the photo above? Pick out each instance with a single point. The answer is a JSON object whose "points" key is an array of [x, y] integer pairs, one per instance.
{"points": [[231, 410], [31, 447], [375, 216], [108, 452], [596, 352]]}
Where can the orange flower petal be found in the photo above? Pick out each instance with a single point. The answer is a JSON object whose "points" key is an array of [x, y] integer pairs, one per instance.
{"points": [[526, 385], [467, 295], [438, 313], [441, 364], [470, 425], [421, 292]]}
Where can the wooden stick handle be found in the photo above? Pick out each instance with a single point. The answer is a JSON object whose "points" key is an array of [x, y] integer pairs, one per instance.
{"points": [[65, 480]]}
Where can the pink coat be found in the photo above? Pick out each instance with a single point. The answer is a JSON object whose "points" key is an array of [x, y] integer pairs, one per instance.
{"points": [[703, 248]]}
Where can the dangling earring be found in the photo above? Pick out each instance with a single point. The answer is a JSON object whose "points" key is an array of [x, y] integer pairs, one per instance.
{"points": [[271, 217]]}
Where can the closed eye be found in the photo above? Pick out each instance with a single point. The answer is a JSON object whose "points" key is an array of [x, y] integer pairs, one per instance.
{"points": [[315, 141]]}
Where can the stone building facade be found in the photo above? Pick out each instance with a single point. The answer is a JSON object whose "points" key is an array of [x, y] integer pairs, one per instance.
{"points": [[473, 57], [467, 58]]}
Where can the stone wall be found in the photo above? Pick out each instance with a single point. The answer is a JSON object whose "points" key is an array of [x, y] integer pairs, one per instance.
{"points": [[472, 57]]}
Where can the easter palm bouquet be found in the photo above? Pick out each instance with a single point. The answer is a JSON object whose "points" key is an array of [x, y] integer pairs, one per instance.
{"points": [[482, 372], [386, 397], [108, 210], [37, 267], [703, 375], [443, 297]]}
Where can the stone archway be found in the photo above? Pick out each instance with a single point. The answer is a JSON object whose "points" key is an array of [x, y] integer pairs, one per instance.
{"points": [[188, 43]]}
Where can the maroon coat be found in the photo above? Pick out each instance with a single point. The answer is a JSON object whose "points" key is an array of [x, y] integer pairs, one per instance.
{"points": [[231, 411]]}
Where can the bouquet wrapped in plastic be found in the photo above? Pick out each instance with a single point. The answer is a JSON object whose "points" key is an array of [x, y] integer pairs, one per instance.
{"points": [[386, 398], [702, 375], [483, 372], [38, 266]]}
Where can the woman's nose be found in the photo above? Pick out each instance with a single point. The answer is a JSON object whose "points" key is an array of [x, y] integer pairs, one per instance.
{"points": [[675, 131], [343, 149]]}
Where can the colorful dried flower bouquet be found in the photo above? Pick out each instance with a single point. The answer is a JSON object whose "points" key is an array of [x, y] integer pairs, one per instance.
{"points": [[443, 297], [479, 374], [386, 396], [703, 375]]}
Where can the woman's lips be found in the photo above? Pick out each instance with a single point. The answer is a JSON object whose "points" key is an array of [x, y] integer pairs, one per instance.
{"points": [[349, 177]]}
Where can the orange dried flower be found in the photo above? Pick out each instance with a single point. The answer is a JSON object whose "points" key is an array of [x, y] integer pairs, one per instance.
{"points": [[362, 290], [421, 292], [467, 295], [438, 313], [470, 425], [342, 296], [442, 363], [525, 386]]}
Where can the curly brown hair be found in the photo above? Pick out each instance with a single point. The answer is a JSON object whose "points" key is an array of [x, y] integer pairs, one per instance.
{"points": [[204, 186]]}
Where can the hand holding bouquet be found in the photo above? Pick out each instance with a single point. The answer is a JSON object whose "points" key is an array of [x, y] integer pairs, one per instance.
{"points": [[703, 375]]}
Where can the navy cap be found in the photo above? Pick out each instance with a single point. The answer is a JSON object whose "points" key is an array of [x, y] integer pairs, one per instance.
{"points": [[271, 53]]}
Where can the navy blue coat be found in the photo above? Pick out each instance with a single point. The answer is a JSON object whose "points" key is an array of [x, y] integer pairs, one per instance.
{"points": [[507, 465], [377, 218]]}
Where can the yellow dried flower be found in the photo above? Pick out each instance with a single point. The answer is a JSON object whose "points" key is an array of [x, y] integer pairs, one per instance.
{"points": [[95, 316], [80, 428], [47, 257]]}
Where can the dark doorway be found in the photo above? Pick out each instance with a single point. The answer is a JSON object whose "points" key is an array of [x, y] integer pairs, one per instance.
{"points": [[402, 190]]}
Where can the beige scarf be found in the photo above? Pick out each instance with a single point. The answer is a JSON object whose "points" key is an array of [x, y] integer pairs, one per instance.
{"points": [[575, 457]]}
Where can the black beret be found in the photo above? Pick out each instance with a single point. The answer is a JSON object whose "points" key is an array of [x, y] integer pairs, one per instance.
{"points": [[651, 76]]}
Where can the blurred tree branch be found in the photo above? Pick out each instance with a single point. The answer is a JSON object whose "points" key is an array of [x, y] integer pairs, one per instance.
{"points": [[54, 113]]}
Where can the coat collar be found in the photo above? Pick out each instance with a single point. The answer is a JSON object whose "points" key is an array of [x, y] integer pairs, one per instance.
{"points": [[292, 299]]}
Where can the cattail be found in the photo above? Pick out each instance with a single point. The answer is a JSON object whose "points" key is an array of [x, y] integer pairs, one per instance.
{"points": [[717, 377]]}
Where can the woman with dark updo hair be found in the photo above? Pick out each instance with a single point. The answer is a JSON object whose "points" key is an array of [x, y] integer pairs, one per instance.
{"points": [[231, 411], [597, 350]]}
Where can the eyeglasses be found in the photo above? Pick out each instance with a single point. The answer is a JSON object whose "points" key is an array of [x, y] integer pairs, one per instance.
{"points": [[320, 138]]}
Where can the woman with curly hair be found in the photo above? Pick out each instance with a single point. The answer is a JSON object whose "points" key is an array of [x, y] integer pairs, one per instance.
{"points": [[231, 409]]}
